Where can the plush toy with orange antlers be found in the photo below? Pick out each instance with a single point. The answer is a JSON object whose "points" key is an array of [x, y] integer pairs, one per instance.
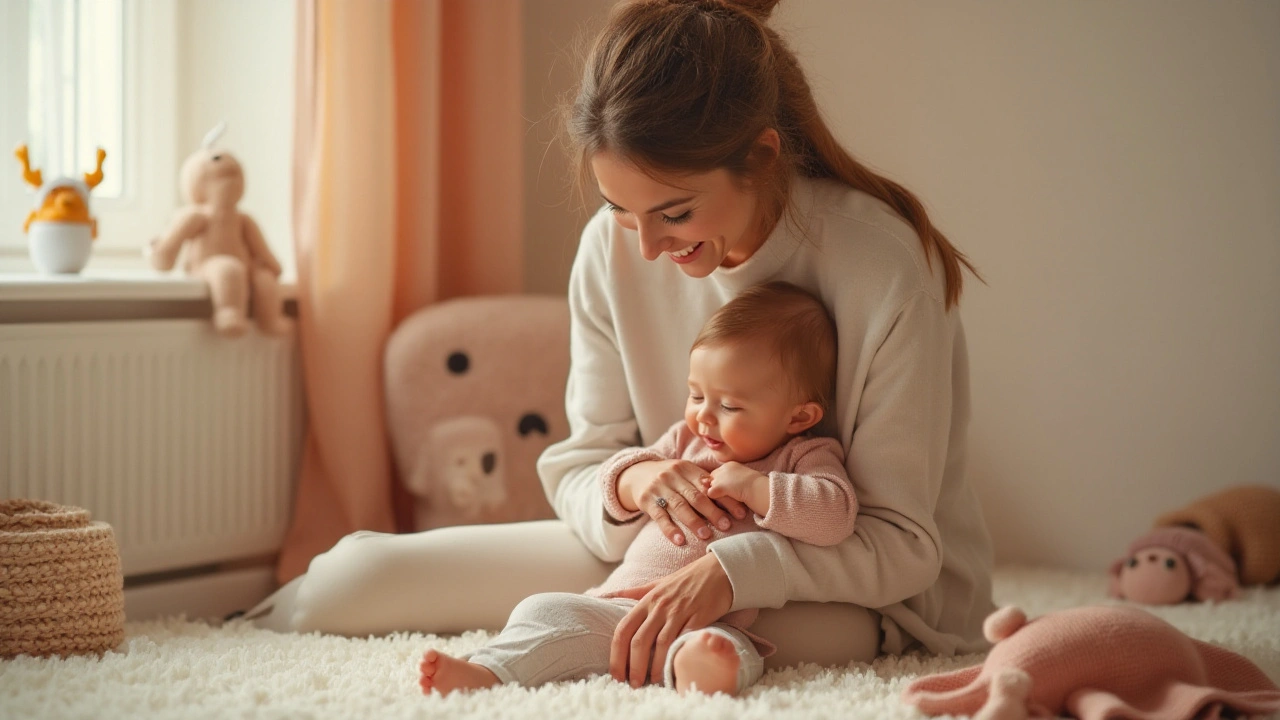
{"points": [[60, 228], [224, 246]]}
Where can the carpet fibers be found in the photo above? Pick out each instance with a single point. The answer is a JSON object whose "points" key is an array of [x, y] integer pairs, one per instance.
{"points": [[175, 668]]}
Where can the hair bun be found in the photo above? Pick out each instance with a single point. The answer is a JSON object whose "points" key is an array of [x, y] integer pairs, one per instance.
{"points": [[760, 8]]}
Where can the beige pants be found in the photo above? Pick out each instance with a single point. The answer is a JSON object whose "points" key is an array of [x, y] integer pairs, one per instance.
{"points": [[471, 577]]}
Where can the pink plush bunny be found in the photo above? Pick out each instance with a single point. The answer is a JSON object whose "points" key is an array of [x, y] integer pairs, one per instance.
{"points": [[1094, 663]]}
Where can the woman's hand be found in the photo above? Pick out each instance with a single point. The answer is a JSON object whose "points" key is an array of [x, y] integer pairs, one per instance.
{"points": [[670, 491], [690, 598]]}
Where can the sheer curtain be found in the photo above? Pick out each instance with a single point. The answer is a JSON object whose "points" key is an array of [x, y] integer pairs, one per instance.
{"points": [[407, 190]]}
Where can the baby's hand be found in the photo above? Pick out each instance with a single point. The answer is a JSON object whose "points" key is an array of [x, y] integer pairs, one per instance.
{"points": [[741, 483]]}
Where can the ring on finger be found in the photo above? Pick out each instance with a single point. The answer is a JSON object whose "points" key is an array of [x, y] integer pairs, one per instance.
{"points": [[661, 502]]}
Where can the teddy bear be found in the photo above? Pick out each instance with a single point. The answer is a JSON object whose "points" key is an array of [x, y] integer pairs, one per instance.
{"points": [[475, 392], [223, 246], [1093, 663], [1204, 551]]}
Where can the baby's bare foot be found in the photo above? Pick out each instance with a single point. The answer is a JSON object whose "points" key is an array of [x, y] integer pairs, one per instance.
{"points": [[707, 663], [445, 674]]}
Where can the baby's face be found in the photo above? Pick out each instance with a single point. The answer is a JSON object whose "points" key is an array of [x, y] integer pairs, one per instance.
{"points": [[739, 401]]}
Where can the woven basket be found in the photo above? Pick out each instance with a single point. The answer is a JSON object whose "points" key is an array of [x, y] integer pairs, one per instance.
{"points": [[61, 588]]}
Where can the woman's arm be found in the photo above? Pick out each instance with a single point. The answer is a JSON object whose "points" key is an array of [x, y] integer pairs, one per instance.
{"points": [[634, 479], [690, 598], [602, 421], [597, 405], [896, 458]]}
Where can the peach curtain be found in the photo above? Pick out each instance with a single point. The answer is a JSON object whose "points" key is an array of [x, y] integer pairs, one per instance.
{"points": [[407, 190]]}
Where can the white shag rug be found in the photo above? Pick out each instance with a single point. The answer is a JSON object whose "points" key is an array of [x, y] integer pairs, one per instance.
{"points": [[175, 668]]}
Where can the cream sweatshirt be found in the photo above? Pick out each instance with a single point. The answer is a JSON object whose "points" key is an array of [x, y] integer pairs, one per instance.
{"points": [[920, 554]]}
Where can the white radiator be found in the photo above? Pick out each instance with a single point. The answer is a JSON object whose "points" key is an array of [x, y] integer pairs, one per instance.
{"points": [[185, 442]]}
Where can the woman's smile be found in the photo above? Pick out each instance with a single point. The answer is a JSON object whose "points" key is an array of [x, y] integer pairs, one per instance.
{"points": [[688, 254], [667, 214]]}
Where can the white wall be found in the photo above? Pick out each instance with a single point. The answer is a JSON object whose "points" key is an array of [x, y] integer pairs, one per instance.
{"points": [[554, 33], [1114, 170], [235, 63]]}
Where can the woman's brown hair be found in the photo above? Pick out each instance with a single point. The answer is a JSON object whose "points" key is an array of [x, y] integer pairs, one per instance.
{"points": [[689, 86]]}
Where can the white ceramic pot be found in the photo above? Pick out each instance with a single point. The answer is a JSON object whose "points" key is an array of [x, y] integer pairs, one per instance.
{"points": [[59, 247]]}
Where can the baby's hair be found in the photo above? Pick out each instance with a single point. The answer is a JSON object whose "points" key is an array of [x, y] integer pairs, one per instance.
{"points": [[796, 328]]}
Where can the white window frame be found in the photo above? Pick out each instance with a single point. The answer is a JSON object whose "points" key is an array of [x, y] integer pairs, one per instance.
{"points": [[149, 196], [15, 201]]}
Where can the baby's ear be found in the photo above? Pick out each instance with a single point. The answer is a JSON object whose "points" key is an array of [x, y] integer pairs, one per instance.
{"points": [[803, 417]]}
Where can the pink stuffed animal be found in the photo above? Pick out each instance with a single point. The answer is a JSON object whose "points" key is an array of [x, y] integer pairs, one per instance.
{"points": [[1094, 663], [1172, 564], [1204, 551], [475, 392]]}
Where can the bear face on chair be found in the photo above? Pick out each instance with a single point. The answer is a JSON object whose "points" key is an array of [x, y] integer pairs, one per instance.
{"points": [[475, 393]]}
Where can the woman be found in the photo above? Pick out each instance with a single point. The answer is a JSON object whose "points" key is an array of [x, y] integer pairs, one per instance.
{"points": [[704, 140]]}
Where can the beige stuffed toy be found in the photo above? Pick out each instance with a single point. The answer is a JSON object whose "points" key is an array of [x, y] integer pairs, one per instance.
{"points": [[224, 246], [475, 392], [1244, 521]]}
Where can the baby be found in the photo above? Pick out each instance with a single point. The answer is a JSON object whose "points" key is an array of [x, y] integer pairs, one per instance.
{"points": [[761, 374]]}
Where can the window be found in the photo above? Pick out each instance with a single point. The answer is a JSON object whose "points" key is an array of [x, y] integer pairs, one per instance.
{"points": [[77, 75], [75, 87]]}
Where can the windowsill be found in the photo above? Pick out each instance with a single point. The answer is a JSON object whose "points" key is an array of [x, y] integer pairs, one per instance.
{"points": [[105, 285], [105, 295]]}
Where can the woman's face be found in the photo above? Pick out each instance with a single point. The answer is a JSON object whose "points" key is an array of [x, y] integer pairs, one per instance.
{"points": [[702, 222]]}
